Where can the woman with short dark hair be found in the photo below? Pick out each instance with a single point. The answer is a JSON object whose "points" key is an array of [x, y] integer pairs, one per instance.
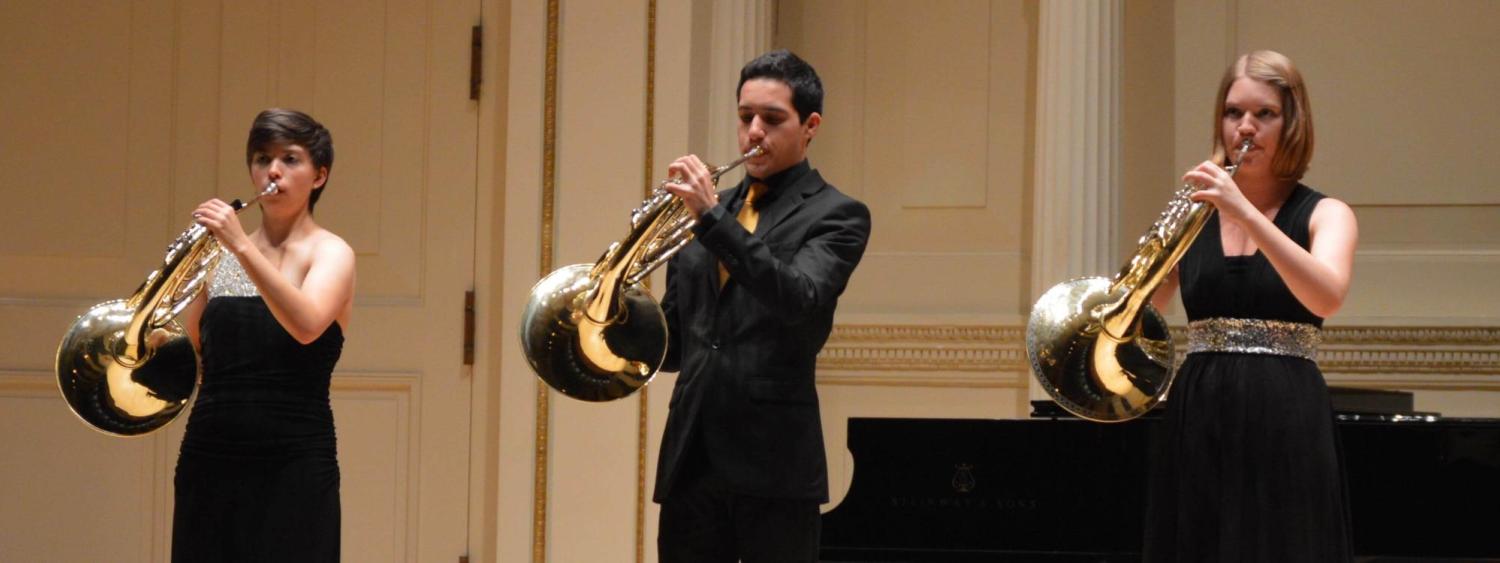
{"points": [[258, 476]]}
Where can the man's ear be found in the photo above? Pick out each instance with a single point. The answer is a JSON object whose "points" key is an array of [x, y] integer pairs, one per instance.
{"points": [[812, 122], [322, 177]]}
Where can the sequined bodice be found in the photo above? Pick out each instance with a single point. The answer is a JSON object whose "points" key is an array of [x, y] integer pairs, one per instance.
{"points": [[230, 280]]}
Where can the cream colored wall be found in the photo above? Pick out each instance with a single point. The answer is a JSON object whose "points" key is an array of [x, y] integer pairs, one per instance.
{"points": [[927, 123], [1148, 100]]}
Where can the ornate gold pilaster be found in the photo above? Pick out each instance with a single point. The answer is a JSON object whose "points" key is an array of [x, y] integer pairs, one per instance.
{"points": [[643, 412], [549, 198]]}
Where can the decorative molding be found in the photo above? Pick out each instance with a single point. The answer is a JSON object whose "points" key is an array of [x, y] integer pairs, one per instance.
{"points": [[918, 348], [1416, 382], [1416, 335], [1453, 351], [29, 383], [549, 197], [1445, 361], [1014, 380], [1399, 351], [929, 355], [925, 333], [79, 304], [642, 429], [402, 382], [1428, 254]]}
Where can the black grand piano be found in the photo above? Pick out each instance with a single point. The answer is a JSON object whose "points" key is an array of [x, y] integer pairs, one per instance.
{"points": [[1055, 488]]}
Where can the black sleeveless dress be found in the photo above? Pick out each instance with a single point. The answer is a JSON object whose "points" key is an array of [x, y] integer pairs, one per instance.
{"points": [[258, 476], [1249, 466]]}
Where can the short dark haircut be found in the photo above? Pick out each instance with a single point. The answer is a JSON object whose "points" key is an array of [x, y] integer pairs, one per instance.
{"points": [[287, 126], [783, 65]]}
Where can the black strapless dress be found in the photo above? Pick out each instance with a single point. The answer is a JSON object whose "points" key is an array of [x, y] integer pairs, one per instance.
{"points": [[1249, 467], [258, 476]]}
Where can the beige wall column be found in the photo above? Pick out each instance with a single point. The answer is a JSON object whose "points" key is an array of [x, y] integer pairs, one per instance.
{"points": [[741, 29], [1077, 157], [1076, 201]]}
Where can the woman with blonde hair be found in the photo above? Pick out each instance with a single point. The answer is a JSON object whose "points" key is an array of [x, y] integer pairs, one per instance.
{"points": [[1250, 467]]}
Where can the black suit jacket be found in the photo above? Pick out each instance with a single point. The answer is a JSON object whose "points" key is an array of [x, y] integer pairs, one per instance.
{"points": [[747, 353]]}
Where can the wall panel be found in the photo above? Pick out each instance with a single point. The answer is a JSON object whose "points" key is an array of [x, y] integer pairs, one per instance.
{"points": [[1396, 88], [377, 453], [928, 122], [72, 494]]}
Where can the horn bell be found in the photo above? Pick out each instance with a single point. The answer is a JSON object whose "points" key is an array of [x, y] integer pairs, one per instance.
{"points": [[1086, 370], [588, 359], [100, 384]]}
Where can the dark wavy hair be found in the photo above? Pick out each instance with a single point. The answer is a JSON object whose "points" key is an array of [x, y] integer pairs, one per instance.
{"points": [[287, 126], [783, 65]]}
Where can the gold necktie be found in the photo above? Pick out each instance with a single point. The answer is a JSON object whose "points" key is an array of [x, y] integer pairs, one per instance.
{"points": [[747, 217]]}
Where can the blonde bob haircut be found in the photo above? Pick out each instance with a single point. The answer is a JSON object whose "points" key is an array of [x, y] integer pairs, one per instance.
{"points": [[1295, 148]]}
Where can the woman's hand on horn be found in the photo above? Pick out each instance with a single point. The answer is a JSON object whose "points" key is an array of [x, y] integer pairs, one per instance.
{"points": [[1217, 187], [221, 220]]}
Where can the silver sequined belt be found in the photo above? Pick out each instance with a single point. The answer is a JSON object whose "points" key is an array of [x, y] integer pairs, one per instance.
{"points": [[1254, 336]]}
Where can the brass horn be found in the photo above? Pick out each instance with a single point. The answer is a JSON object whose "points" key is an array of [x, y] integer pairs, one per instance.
{"points": [[593, 331], [1097, 345], [125, 367]]}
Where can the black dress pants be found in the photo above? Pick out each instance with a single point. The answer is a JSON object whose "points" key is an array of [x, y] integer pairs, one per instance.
{"points": [[703, 522]]}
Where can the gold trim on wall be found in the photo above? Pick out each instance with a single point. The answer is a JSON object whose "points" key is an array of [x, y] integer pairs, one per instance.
{"points": [[859, 354], [549, 177], [643, 412], [919, 348], [30, 383], [1399, 351], [1415, 350], [549, 160]]}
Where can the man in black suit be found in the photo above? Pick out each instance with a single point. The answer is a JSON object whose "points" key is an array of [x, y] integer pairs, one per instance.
{"points": [[749, 304]]}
